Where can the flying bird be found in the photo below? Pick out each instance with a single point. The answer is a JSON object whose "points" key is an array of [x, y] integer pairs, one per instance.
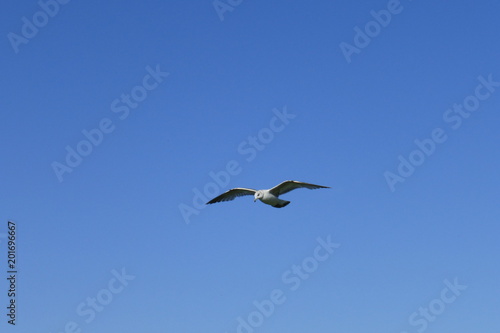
{"points": [[269, 197]]}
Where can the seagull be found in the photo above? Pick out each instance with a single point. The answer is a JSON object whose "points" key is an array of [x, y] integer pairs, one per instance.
{"points": [[269, 197]]}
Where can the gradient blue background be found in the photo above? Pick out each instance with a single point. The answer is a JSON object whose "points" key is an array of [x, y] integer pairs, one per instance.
{"points": [[120, 207]]}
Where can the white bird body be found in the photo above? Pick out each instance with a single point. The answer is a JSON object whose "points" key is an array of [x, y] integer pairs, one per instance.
{"points": [[269, 197]]}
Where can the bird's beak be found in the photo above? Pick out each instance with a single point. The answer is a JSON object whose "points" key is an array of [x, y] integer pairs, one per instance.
{"points": [[254, 199]]}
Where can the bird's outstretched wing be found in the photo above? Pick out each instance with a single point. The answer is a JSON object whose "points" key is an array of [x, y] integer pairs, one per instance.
{"points": [[231, 194], [290, 185]]}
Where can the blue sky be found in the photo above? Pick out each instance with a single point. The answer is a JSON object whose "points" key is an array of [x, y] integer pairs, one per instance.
{"points": [[155, 97]]}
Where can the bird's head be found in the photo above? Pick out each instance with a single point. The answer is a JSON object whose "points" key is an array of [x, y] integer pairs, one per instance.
{"points": [[258, 195]]}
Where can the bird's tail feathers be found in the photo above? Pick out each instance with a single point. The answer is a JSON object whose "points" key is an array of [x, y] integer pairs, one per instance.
{"points": [[282, 204]]}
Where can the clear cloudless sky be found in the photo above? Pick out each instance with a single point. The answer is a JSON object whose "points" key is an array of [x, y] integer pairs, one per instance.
{"points": [[118, 212]]}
